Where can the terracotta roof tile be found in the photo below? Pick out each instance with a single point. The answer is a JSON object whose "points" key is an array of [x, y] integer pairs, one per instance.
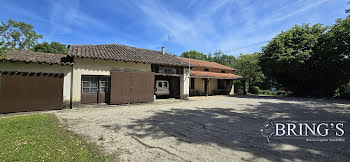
{"points": [[202, 63], [215, 75], [124, 53], [37, 57]]}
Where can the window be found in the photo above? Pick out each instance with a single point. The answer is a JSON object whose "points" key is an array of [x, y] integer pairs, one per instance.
{"points": [[222, 71], [167, 70], [206, 69], [192, 83], [105, 83], [89, 84], [160, 84], [165, 84]]}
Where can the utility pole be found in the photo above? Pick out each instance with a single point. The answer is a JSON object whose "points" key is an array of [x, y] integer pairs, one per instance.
{"points": [[169, 43]]}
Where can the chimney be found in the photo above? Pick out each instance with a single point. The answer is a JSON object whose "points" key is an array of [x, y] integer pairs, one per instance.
{"points": [[163, 52]]}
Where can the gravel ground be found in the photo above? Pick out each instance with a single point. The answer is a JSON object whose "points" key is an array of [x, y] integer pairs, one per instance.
{"points": [[216, 128]]}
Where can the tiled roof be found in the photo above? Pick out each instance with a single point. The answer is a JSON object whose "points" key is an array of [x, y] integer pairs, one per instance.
{"points": [[214, 75], [201, 63], [124, 53], [37, 57]]}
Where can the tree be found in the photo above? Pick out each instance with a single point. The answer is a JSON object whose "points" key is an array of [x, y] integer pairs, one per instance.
{"points": [[248, 67], [53, 47], [18, 35], [348, 10], [332, 57], [287, 58], [194, 55], [3, 50], [309, 60]]}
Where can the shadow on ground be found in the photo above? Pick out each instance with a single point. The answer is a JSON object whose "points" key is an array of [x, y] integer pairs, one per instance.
{"points": [[239, 130]]}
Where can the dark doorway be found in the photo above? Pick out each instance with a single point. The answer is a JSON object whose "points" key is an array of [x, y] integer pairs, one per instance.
{"points": [[174, 86], [206, 86]]}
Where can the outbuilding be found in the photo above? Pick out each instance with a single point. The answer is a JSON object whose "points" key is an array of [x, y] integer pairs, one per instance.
{"points": [[88, 74], [34, 81]]}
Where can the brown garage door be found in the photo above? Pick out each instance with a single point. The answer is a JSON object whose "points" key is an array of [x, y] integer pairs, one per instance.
{"points": [[28, 92], [131, 87]]}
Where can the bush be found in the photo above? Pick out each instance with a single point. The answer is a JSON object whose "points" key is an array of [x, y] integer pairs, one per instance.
{"points": [[344, 91], [238, 87], [195, 93], [221, 92], [254, 90]]}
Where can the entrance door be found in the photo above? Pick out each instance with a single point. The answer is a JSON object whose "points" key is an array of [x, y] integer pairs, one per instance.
{"points": [[105, 91], [95, 89]]}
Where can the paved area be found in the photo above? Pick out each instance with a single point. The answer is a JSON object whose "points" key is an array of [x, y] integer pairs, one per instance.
{"points": [[217, 128]]}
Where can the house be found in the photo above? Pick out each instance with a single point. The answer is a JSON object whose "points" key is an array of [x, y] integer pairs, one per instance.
{"points": [[89, 74], [210, 78]]}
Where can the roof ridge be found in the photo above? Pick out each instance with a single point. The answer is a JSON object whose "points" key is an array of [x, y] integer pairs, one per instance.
{"points": [[116, 45], [207, 62]]}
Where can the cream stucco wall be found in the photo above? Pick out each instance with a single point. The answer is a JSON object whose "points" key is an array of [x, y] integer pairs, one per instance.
{"points": [[89, 66], [199, 84], [44, 68], [185, 84], [213, 85]]}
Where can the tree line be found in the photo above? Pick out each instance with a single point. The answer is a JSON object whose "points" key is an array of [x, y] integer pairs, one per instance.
{"points": [[307, 60], [21, 36]]}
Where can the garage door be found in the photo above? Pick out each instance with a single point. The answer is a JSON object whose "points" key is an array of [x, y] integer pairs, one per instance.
{"points": [[131, 87], [30, 91]]}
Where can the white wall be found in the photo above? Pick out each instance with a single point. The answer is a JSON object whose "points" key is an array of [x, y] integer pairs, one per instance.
{"points": [[185, 84], [89, 66], [44, 68]]}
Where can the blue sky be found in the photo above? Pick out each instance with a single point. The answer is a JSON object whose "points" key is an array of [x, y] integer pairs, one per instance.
{"points": [[234, 26]]}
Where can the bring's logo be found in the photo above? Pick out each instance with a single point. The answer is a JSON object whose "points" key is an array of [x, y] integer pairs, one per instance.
{"points": [[308, 130]]}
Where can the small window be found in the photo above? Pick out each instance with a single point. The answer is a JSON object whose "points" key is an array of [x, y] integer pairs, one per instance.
{"points": [[222, 71], [206, 69], [165, 84], [160, 84], [103, 86]]}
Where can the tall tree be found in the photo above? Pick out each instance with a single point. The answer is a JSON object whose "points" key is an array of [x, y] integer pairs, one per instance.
{"points": [[194, 55], [18, 35], [53, 47], [348, 10], [332, 57], [247, 66], [309, 60]]}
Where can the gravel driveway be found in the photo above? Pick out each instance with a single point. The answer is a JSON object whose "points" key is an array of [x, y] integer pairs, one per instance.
{"points": [[216, 128]]}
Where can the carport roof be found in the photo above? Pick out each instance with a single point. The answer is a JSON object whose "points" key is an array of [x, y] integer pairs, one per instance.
{"points": [[37, 57], [124, 53], [206, 74], [208, 64]]}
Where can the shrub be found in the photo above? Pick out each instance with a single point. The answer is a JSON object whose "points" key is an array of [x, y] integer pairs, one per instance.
{"points": [[221, 92], [254, 90], [195, 93], [344, 91], [238, 87]]}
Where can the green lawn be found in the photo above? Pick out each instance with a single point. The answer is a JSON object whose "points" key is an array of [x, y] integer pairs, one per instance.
{"points": [[41, 138]]}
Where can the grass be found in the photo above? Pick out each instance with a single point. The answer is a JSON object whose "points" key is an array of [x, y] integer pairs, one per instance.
{"points": [[41, 138]]}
